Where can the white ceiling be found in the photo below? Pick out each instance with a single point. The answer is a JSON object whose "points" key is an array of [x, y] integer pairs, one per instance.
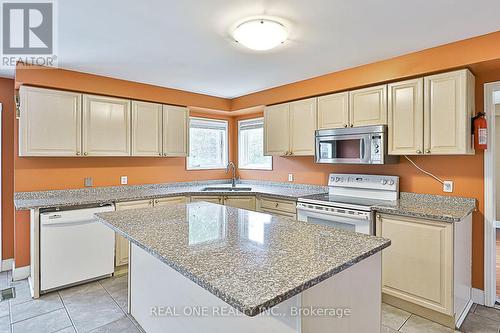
{"points": [[186, 44]]}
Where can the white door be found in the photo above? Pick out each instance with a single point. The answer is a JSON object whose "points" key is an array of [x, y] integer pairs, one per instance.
{"points": [[302, 126], [175, 130], [333, 111], [106, 126], [368, 106], [406, 117], [50, 123], [277, 130], [146, 129]]}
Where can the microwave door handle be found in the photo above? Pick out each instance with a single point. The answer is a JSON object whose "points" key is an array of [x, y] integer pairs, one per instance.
{"points": [[362, 150]]}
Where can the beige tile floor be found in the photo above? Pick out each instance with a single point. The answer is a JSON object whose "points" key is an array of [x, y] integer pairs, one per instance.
{"points": [[480, 320], [100, 306]]}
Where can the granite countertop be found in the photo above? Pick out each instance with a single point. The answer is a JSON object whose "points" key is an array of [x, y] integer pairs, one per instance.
{"points": [[250, 260], [100, 195], [428, 206]]}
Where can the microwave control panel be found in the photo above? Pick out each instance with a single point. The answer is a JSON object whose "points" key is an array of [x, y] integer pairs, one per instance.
{"points": [[376, 142]]}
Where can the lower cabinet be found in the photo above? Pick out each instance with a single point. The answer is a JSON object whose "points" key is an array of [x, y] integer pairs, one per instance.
{"points": [[208, 198], [424, 271], [277, 207]]}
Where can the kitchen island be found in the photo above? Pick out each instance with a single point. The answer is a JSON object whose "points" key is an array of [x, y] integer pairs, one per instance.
{"points": [[203, 267]]}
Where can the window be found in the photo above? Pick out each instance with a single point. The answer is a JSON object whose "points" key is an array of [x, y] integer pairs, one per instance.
{"points": [[251, 145], [207, 144]]}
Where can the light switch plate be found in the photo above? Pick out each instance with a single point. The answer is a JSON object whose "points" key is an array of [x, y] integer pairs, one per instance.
{"points": [[88, 182], [124, 180], [448, 186], [290, 177]]}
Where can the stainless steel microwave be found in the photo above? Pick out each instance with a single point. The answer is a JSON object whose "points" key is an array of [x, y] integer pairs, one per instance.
{"points": [[355, 145]]}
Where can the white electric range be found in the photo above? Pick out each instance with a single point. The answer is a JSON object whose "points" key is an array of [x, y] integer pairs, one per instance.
{"points": [[347, 205]]}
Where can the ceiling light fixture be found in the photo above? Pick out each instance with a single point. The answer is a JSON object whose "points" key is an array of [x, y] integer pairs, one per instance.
{"points": [[260, 34]]}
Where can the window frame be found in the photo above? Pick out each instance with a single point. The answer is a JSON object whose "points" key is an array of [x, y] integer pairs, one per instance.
{"points": [[240, 151], [223, 124]]}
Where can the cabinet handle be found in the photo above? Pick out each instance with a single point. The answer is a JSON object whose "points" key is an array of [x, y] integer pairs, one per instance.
{"points": [[150, 202], [85, 153], [160, 154], [77, 153], [157, 201], [345, 125], [165, 154], [419, 151], [352, 125], [427, 151], [276, 205]]}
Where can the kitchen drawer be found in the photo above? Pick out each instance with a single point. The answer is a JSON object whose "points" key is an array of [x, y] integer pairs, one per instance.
{"points": [[278, 205], [170, 200], [279, 213]]}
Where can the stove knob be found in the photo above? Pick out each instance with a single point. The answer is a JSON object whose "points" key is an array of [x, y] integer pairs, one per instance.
{"points": [[391, 182], [383, 181]]}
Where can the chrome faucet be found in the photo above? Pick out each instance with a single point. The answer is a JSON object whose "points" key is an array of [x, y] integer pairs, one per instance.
{"points": [[233, 180]]}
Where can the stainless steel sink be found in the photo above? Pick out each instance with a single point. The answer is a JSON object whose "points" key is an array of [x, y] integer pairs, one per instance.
{"points": [[224, 189]]}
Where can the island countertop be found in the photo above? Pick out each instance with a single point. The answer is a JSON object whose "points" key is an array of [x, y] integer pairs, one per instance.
{"points": [[252, 261]]}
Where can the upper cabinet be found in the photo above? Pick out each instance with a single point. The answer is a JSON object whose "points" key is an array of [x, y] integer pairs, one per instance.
{"points": [[368, 106], [60, 123], [432, 115], [333, 111], [50, 122], [406, 117], [448, 110], [106, 130], [175, 130], [146, 129], [289, 128]]}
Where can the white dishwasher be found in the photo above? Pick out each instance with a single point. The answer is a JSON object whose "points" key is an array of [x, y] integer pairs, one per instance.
{"points": [[74, 247]]}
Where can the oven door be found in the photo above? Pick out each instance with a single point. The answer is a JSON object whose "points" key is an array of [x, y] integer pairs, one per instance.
{"points": [[347, 149], [346, 219]]}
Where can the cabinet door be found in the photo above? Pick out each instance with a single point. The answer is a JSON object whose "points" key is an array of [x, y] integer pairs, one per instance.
{"points": [[406, 117], [50, 123], [175, 130], [243, 202], [276, 130], [418, 266], [302, 126], [368, 106], [106, 126], [146, 129], [212, 199], [169, 200], [333, 111], [448, 109], [121, 243]]}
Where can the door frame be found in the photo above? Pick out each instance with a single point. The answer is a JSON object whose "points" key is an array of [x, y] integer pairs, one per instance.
{"points": [[490, 198]]}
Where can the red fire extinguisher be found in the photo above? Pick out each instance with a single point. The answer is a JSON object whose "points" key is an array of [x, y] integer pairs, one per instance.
{"points": [[480, 131]]}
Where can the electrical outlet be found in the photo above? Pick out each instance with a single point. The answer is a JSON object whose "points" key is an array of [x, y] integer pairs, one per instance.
{"points": [[447, 186], [124, 180], [88, 182], [290, 177]]}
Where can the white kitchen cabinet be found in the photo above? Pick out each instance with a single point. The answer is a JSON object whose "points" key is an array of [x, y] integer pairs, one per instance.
{"points": [[289, 128], [106, 129], [175, 130], [368, 106], [333, 111], [121, 243], [243, 202], [147, 132], [406, 117], [50, 122], [277, 207], [448, 108], [277, 129], [427, 268], [303, 126]]}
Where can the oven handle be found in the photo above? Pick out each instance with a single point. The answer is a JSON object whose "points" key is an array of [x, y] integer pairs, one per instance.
{"points": [[351, 216]]}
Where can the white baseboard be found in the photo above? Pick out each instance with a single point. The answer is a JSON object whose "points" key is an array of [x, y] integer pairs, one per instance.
{"points": [[478, 296], [464, 314], [7, 264], [20, 273]]}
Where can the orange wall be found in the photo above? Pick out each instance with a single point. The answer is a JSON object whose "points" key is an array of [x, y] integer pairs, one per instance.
{"points": [[8, 116]]}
